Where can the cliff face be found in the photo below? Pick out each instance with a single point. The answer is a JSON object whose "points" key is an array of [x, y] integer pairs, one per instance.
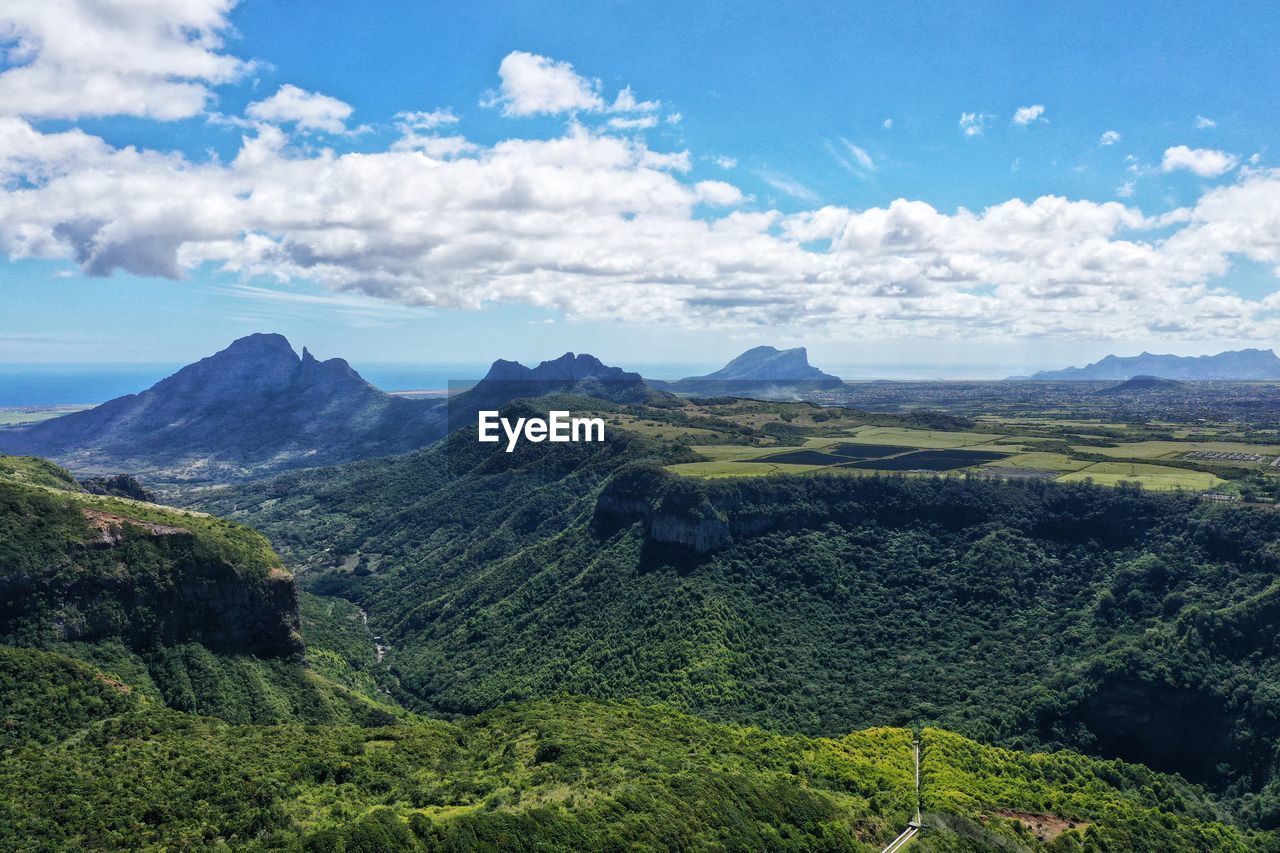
{"points": [[75, 567]]}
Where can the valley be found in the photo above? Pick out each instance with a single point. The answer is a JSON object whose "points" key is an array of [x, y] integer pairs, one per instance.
{"points": [[729, 619]]}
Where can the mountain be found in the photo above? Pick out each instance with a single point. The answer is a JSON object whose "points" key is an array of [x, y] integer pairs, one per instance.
{"points": [[253, 408], [761, 370], [1144, 385], [580, 375], [1253, 364]]}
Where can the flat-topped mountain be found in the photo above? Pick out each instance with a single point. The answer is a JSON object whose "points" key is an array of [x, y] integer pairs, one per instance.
{"points": [[254, 408], [762, 369], [1256, 364]]}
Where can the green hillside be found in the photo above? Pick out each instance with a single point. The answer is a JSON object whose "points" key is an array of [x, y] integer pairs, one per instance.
{"points": [[564, 774], [190, 611], [1113, 621]]}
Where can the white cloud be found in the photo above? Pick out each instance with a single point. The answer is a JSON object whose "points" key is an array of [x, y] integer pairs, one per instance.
{"points": [[1203, 123], [1205, 162], [860, 156], [1126, 189], [887, 124], [426, 120], [1026, 115], [636, 123], [597, 224], [788, 185], [852, 157], [151, 58], [726, 162], [308, 110], [626, 103], [600, 226], [537, 85], [1109, 137], [974, 124]]}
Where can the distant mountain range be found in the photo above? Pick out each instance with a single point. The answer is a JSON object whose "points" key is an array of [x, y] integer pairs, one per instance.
{"points": [[582, 375], [256, 408], [1254, 364], [762, 370]]}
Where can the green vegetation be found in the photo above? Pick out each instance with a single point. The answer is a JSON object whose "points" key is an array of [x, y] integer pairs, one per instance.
{"points": [[191, 611], [564, 774], [1031, 615]]}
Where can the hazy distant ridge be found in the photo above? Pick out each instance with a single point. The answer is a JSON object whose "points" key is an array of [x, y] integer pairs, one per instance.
{"points": [[1236, 364]]}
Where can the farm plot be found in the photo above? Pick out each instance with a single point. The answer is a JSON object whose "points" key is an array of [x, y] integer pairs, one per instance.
{"points": [[1156, 477], [925, 438], [930, 460], [800, 457]]}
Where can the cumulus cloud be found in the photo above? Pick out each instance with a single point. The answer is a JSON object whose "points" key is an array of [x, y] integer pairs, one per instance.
{"points": [[537, 85], [151, 58], [1109, 137], [1203, 123], [599, 224], [602, 226], [1205, 162], [307, 110], [1026, 115]]}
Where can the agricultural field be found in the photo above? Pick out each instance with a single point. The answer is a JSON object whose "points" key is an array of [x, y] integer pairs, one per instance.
{"points": [[793, 438], [1156, 477], [14, 417]]}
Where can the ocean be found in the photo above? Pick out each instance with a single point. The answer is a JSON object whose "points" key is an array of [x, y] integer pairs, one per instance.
{"points": [[79, 384]]}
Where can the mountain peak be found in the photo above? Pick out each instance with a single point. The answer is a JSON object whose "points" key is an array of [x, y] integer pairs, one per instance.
{"points": [[260, 344]]}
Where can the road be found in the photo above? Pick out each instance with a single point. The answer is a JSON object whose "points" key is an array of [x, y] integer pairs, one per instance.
{"points": [[913, 828]]}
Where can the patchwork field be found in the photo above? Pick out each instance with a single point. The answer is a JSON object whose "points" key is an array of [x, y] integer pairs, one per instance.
{"points": [[1156, 477], [806, 441]]}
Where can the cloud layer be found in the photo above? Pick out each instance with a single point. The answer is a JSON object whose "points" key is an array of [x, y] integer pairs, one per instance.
{"points": [[595, 222]]}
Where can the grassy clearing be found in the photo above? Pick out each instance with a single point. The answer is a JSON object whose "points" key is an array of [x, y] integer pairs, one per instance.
{"points": [[723, 452], [654, 429], [1040, 461], [926, 439], [1175, 449], [1155, 477], [16, 417], [738, 468]]}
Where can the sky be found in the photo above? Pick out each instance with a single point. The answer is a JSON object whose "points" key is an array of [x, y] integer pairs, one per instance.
{"points": [[990, 187]]}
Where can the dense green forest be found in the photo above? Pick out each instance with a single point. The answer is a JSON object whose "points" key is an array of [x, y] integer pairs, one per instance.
{"points": [[559, 615], [112, 770], [1112, 621]]}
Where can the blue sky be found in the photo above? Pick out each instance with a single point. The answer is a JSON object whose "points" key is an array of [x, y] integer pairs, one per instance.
{"points": [[792, 174]]}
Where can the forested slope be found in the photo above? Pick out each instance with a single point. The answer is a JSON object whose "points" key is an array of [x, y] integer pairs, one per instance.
{"points": [[1121, 623], [566, 774]]}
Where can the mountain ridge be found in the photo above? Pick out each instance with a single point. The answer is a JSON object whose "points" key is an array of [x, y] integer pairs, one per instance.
{"points": [[1244, 364]]}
